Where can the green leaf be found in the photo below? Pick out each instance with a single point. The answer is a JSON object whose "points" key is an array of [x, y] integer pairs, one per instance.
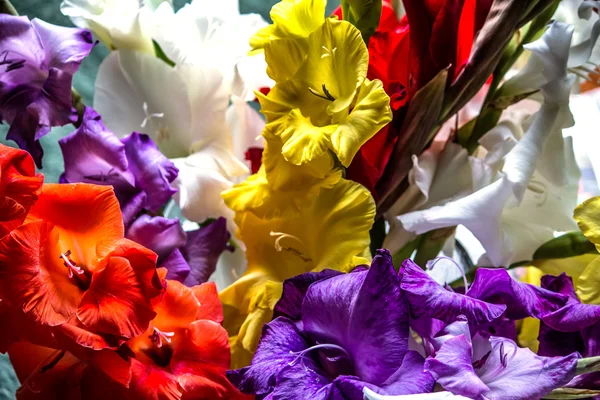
{"points": [[364, 14], [432, 244], [587, 365], [405, 252], [571, 393], [418, 129], [570, 244], [161, 54]]}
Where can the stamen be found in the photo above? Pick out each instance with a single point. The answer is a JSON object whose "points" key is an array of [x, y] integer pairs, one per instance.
{"points": [[149, 116], [431, 263], [300, 354], [159, 336], [71, 264], [279, 247], [327, 95]]}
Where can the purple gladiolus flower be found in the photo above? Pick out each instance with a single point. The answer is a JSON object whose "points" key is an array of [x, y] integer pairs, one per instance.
{"points": [[37, 63], [494, 368], [189, 257], [137, 170], [492, 303], [334, 335]]}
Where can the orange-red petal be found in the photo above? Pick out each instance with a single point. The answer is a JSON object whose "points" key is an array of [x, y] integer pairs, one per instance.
{"points": [[177, 309], [210, 305], [87, 217], [19, 187], [115, 302], [201, 360], [33, 277], [153, 383]]}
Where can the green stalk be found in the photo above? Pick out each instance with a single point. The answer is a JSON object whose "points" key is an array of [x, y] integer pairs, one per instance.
{"points": [[7, 8]]}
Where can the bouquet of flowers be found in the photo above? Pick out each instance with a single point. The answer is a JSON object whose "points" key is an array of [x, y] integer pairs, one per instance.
{"points": [[370, 199]]}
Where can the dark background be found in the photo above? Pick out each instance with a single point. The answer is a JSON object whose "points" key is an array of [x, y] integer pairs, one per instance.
{"points": [[49, 11]]}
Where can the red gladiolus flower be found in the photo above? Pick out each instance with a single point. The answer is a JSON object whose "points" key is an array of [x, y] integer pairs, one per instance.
{"points": [[68, 273], [19, 187], [185, 351]]}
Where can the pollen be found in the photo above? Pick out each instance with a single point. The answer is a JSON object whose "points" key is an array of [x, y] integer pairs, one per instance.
{"points": [[70, 264]]}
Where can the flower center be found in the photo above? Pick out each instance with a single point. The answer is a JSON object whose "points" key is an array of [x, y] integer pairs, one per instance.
{"points": [[148, 115], [504, 356], [325, 96], [75, 272], [158, 337], [12, 64], [279, 247], [333, 365]]}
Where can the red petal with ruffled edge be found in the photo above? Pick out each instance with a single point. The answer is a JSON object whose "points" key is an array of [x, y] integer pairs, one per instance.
{"points": [[87, 217], [119, 299], [33, 277], [152, 382], [200, 361], [210, 305], [19, 187]]}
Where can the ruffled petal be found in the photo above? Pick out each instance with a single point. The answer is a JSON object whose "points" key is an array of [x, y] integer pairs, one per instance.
{"points": [[427, 298], [521, 299]]}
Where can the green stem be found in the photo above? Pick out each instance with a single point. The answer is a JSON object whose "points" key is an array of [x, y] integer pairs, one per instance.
{"points": [[6, 7]]}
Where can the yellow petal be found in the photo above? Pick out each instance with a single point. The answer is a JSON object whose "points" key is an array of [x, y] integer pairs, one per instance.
{"points": [[587, 215], [303, 141], [530, 327], [572, 266], [336, 63], [291, 19], [371, 113], [284, 57], [588, 285]]}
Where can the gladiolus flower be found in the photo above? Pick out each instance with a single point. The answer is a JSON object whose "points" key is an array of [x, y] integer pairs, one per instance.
{"points": [[37, 63], [69, 270]]}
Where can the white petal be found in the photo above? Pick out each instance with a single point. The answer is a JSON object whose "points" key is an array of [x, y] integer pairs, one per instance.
{"points": [[200, 182], [246, 124], [371, 395], [479, 212], [126, 80]]}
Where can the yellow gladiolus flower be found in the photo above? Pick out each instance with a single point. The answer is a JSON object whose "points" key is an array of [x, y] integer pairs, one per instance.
{"points": [[333, 233], [280, 189], [323, 100]]}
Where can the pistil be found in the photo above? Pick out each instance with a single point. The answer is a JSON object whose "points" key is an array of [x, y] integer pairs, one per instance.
{"points": [[158, 337]]}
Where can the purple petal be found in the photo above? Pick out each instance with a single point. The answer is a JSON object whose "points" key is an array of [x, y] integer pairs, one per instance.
{"points": [[64, 47], [203, 248], [365, 313], [159, 234], [177, 267], [351, 388], [131, 207], [411, 377], [574, 316], [294, 290], [280, 339], [562, 284], [37, 62], [453, 370], [554, 343], [427, 298], [495, 285], [93, 154], [299, 381], [153, 171], [515, 372]]}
